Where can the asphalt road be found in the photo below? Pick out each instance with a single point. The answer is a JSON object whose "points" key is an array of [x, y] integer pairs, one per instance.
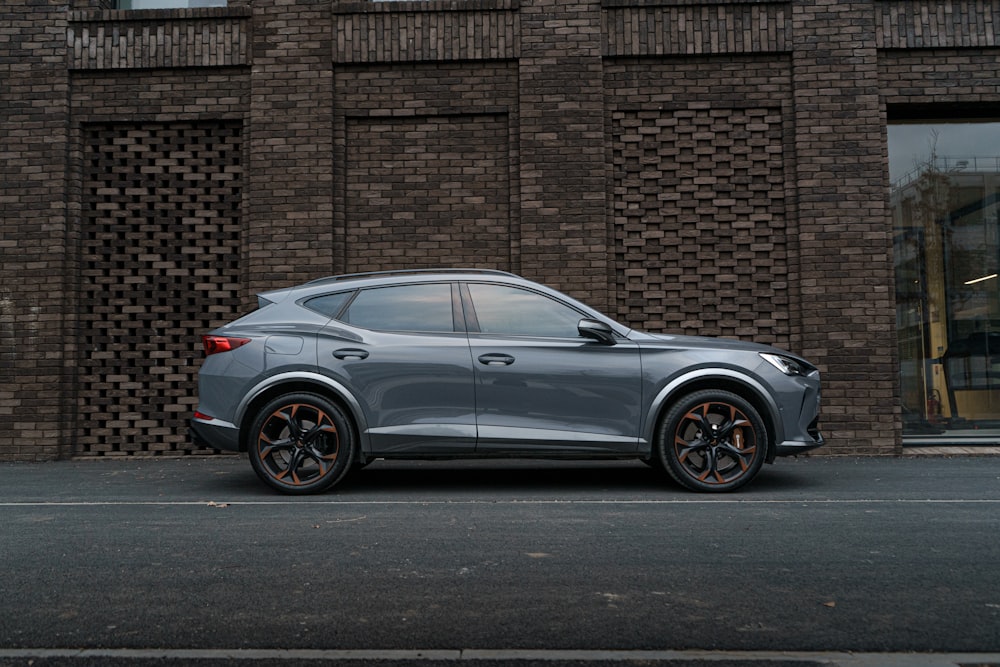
{"points": [[819, 554]]}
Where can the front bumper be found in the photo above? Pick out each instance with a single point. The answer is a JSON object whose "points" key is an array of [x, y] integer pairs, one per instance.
{"points": [[793, 447], [804, 435]]}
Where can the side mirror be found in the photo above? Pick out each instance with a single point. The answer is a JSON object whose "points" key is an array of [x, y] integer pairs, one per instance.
{"points": [[596, 330]]}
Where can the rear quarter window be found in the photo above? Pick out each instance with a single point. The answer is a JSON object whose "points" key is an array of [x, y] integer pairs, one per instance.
{"points": [[329, 305]]}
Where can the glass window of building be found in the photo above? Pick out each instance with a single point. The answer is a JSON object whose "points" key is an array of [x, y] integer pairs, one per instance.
{"points": [[945, 197]]}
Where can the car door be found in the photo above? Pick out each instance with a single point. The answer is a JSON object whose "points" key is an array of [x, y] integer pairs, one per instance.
{"points": [[540, 385], [403, 353]]}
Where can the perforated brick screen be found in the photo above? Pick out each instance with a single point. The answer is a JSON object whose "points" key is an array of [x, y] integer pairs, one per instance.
{"points": [[699, 222], [160, 248]]}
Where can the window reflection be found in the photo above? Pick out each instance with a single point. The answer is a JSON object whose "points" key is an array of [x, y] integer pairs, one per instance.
{"points": [[945, 197], [403, 308], [511, 311]]}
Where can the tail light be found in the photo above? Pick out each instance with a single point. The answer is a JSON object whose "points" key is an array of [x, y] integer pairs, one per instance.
{"points": [[217, 344]]}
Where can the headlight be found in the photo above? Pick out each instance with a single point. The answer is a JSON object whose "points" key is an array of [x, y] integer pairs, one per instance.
{"points": [[786, 365]]}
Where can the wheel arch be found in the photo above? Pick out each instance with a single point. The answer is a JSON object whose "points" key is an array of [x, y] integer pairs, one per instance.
{"points": [[312, 383], [719, 379]]}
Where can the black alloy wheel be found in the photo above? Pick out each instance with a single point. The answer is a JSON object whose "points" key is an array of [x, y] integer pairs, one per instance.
{"points": [[301, 443], [712, 441]]}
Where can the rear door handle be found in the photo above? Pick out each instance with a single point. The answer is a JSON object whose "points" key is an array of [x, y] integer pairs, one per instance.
{"points": [[496, 359], [348, 353]]}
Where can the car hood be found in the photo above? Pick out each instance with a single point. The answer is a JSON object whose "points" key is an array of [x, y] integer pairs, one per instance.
{"points": [[702, 342]]}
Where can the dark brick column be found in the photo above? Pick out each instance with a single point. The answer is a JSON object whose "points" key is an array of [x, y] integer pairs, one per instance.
{"points": [[34, 325], [847, 322], [290, 197], [563, 230]]}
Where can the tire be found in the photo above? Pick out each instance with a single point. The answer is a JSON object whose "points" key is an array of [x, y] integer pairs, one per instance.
{"points": [[301, 444], [728, 458]]}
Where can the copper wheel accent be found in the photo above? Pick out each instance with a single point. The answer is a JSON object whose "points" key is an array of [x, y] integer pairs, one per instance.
{"points": [[715, 443], [297, 444]]}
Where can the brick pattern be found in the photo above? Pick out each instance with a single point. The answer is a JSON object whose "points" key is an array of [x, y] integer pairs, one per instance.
{"points": [[159, 264], [418, 131], [921, 78], [696, 29], [159, 96], [209, 37], [903, 24], [660, 199], [428, 192], [425, 31], [848, 315], [563, 178], [699, 219], [289, 236], [35, 382]]}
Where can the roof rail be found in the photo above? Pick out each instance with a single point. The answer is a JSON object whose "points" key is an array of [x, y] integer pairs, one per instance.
{"points": [[403, 272]]}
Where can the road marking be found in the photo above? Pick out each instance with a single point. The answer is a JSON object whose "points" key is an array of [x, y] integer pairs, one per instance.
{"points": [[830, 658], [216, 504]]}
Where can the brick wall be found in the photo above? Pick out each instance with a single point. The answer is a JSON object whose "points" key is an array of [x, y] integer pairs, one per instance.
{"points": [[702, 240], [688, 165], [425, 155], [428, 192], [158, 240], [35, 388], [159, 265], [563, 179], [847, 312], [289, 235]]}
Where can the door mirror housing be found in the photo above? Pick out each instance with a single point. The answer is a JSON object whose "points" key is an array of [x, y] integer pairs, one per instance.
{"points": [[597, 330]]}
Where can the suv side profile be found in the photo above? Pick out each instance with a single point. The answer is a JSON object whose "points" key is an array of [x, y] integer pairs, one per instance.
{"points": [[466, 363]]}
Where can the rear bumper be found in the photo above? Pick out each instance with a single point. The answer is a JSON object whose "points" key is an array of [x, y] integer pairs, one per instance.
{"points": [[215, 434]]}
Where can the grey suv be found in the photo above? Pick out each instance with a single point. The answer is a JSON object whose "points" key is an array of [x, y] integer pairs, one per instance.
{"points": [[329, 375]]}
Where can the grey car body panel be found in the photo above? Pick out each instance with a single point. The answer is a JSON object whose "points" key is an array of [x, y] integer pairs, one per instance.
{"points": [[413, 394], [416, 389], [571, 393]]}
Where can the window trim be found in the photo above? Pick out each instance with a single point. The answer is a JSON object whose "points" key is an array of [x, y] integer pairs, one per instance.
{"points": [[457, 319]]}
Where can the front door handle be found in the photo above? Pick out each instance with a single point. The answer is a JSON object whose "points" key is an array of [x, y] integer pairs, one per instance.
{"points": [[496, 359], [348, 353]]}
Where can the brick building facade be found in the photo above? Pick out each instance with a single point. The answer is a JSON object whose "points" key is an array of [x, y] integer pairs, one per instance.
{"points": [[697, 166]]}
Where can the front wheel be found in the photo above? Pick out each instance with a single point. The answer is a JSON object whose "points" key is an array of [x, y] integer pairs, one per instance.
{"points": [[712, 441], [301, 443]]}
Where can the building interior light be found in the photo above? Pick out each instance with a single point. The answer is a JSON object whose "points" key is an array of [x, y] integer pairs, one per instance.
{"points": [[979, 280]]}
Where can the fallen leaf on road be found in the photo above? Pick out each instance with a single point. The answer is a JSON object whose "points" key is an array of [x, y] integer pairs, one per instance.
{"points": [[830, 604]]}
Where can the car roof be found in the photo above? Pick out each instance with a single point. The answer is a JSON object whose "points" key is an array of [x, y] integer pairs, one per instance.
{"points": [[373, 276]]}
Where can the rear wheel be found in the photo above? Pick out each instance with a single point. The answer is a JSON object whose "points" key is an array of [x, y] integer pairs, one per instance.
{"points": [[712, 441], [301, 443]]}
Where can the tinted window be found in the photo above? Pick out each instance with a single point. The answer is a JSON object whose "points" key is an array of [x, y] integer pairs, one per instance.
{"points": [[509, 310], [403, 308], [328, 304]]}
